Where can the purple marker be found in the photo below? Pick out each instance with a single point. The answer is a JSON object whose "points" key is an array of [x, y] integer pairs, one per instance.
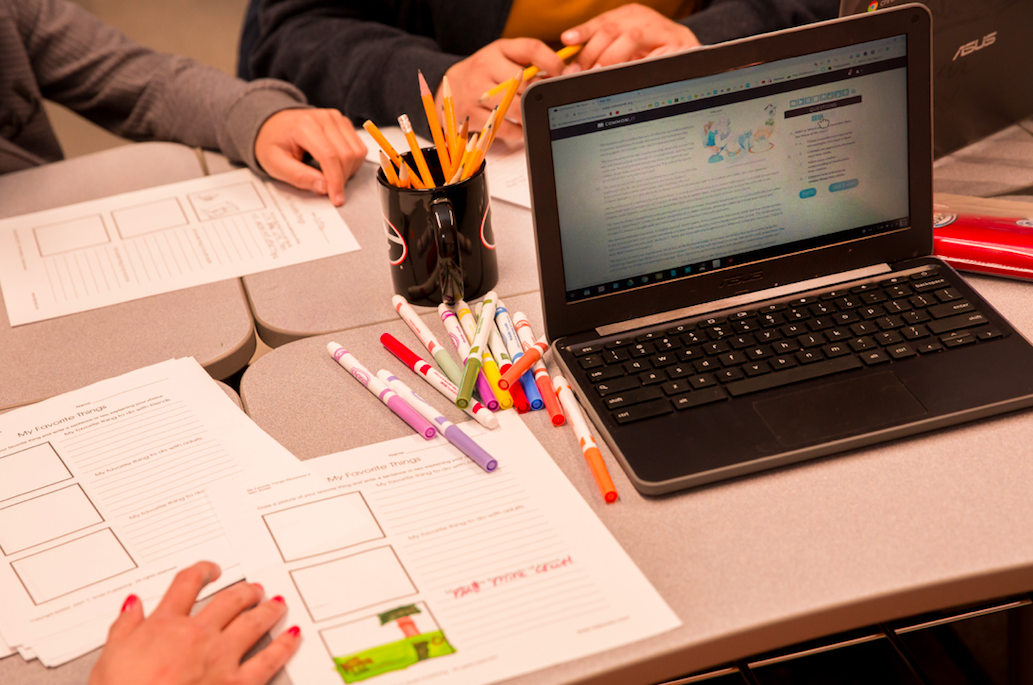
{"points": [[463, 442], [377, 387]]}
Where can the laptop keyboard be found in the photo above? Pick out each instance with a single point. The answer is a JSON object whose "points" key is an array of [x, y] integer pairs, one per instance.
{"points": [[701, 361]]}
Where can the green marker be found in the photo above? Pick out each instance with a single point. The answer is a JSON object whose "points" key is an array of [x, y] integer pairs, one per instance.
{"points": [[480, 342], [436, 349]]}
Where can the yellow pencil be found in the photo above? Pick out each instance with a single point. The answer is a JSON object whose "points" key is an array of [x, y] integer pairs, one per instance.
{"points": [[471, 145], [464, 133], [530, 72], [417, 154], [507, 100], [435, 126], [455, 149], [474, 162], [389, 170], [403, 177], [392, 154]]}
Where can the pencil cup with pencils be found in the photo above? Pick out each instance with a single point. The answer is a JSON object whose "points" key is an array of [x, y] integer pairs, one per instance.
{"points": [[440, 243]]}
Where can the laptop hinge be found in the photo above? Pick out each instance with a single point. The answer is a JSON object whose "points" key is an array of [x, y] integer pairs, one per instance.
{"points": [[745, 300]]}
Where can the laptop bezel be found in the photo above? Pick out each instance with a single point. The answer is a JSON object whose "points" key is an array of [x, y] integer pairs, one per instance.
{"points": [[563, 317]]}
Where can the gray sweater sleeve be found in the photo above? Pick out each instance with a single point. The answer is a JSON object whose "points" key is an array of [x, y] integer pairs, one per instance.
{"points": [[721, 20], [93, 69]]}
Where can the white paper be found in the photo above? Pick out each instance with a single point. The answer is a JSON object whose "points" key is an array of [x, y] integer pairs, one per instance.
{"points": [[506, 167], [121, 248], [103, 494], [511, 569]]}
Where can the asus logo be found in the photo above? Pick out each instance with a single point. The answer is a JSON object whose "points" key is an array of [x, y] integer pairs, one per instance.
{"points": [[739, 280], [972, 46]]}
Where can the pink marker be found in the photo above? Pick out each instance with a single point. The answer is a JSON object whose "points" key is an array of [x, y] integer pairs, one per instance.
{"points": [[380, 389]]}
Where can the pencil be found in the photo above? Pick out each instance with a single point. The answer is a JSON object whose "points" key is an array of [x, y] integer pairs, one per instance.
{"points": [[471, 145], [475, 161], [417, 154], [530, 72], [403, 177], [464, 132], [435, 126], [507, 100], [392, 154], [389, 170], [455, 149]]}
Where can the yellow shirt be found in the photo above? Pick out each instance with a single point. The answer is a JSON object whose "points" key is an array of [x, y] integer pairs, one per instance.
{"points": [[547, 20]]}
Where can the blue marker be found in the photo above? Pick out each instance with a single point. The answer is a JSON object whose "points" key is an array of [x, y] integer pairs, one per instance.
{"points": [[516, 351]]}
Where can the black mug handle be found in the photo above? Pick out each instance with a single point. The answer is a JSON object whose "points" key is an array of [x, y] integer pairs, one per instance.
{"points": [[446, 239]]}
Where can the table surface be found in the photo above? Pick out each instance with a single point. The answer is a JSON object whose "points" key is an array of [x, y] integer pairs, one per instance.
{"points": [[211, 323]]}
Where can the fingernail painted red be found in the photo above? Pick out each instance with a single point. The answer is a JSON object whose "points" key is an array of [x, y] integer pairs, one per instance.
{"points": [[280, 599], [130, 601], [294, 631]]}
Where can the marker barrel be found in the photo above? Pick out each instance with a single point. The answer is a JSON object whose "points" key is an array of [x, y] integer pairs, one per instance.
{"points": [[436, 349], [588, 447]]}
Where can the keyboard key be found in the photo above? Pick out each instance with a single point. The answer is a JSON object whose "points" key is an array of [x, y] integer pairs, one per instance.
{"points": [[756, 369], [914, 332], [745, 326], [796, 315], [591, 361], [954, 323], [873, 357], [643, 411], [888, 323], [619, 342], [715, 321], [698, 398], [821, 308], [951, 308], [864, 328], [873, 297], [616, 385], [732, 358], [917, 316], [719, 332], [675, 387], [922, 300], [582, 350], [947, 295], [901, 351], [924, 274], [833, 294], [704, 380], [844, 318], [741, 341], [899, 291], [615, 356], [897, 306], [661, 360], [779, 363], [632, 397], [888, 338], [637, 366], [848, 302], [863, 343], [864, 288], [895, 281], [693, 338], [605, 373], [837, 334], [680, 328], [767, 336], [705, 365], [771, 308], [652, 377], [639, 350], [812, 340], [871, 312], [666, 344], [759, 352], [729, 375], [959, 341], [690, 354], [771, 320], [717, 347], [680, 371], [932, 346], [809, 356], [739, 316], [794, 375], [926, 284], [784, 346], [791, 330], [989, 334], [649, 337], [821, 323], [835, 350]]}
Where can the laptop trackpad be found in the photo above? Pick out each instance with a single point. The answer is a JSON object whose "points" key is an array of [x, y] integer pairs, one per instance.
{"points": [[839, 409]]}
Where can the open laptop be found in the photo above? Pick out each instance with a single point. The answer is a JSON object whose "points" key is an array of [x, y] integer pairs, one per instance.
{"points": [[982, 57], [735, 253]]}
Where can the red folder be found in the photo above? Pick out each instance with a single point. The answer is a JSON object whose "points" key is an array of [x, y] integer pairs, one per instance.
{"points": [[996, 245]]}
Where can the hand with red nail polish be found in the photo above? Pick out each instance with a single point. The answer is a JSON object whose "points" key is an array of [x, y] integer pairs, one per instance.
{"points": [[171, 647]]}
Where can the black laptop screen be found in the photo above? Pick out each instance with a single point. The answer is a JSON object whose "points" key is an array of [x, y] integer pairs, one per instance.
{"points": [[668, 182]]}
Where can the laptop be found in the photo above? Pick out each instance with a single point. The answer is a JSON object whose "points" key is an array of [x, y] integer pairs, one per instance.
{"points": [[735, 245], [981, 56]]}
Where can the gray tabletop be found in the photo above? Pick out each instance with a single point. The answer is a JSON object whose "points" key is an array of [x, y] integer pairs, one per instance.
{"points": [[211, 323], [354, 289]]}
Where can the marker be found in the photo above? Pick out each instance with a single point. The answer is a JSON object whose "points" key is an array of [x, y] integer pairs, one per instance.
{"points": [[584, 436], [462, 345], [541, 374], [532, 355], [498, 349], [480, 340], [436, 349], [489, 367], [378, 388], [463, 442], [509, 336], [437, 380]]}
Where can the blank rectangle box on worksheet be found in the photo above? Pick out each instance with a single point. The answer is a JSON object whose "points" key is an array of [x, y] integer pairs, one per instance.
{"points": [[30, 469], [324, 526], [46, 517], [72, 566], [71, 235], [233, 199], [148, 218], [347, 584]]}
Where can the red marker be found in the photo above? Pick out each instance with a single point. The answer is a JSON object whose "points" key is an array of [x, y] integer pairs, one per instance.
{"points": [[541, 374]]}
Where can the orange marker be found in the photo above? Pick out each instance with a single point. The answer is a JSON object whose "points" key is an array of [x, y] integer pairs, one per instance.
{"points": [[541, 374], [584, 436], [417, 154], [435, 127], [386, 146], [531, 355]]}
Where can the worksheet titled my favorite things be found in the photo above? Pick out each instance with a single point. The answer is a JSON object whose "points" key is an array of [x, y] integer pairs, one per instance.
{"points": [[125, 247], [103, 494], [404, 563]]}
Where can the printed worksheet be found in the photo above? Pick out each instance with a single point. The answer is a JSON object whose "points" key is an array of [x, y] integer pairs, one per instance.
{"points": [[404, 562], [121, 248], [506, 169], [103, 494]]}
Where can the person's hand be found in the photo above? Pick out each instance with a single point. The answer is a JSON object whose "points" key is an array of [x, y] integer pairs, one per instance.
{"points": [[626, 33], [326, 134], [170, 647], [494, 63]]}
